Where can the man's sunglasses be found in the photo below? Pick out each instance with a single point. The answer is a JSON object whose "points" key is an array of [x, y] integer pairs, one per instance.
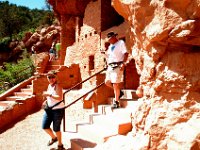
{"points": [[50, 77]]}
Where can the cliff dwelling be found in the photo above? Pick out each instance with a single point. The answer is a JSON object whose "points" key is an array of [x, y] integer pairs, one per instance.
{"points": [[163, 38], [163, 41]]}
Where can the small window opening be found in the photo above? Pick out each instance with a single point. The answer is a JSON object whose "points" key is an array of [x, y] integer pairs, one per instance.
{"points": [[91, 62]]}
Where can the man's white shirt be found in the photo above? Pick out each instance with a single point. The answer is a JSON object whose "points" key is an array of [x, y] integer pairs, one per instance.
{"points": [[116, 52]]}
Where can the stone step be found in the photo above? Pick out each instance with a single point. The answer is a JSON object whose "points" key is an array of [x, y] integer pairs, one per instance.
{"points": [[95, 133], [81, 144], [92, 115], [10, 111], [22, 94], [106, 123], [134, 95], [29, 103], [30, 86], [118, 122], [6, 105], [105, 126], [26, 90], [129, 94], [107, 109], [14, 98], [102, 127], [123, 101]]}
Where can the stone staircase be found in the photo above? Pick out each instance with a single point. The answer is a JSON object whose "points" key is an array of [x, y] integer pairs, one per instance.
{"points": [[20, 101], [53, 65], [106, 123], [15, 103], [44, 65]]}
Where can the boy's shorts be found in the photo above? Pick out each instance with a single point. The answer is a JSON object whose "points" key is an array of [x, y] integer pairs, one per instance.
{"points": [[54, 116]]}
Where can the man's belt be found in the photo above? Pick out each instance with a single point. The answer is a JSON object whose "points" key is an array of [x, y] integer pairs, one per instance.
{"points": [[115, 64]]}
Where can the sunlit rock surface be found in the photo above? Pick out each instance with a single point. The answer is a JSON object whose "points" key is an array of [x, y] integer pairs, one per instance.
{"points": [[165, 36], [165, 39]]}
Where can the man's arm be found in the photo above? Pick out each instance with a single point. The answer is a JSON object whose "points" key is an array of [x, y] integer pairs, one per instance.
{"points": [[124, 61], [125, 57]]}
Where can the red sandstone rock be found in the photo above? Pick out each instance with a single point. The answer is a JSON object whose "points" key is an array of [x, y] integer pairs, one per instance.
{"points": [[166, 39], [75, 7]]}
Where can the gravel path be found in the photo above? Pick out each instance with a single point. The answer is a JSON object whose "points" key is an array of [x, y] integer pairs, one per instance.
{"points": [[28, 134], [25, 135]]}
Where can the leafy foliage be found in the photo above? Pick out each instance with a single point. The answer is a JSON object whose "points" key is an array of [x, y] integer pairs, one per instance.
{"points": [[14, 73], [15, 19], [4, 44]]}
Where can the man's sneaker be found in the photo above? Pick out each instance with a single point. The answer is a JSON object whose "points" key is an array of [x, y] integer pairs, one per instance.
{"points": [[121, 94], [116, 105], [60, 147]]}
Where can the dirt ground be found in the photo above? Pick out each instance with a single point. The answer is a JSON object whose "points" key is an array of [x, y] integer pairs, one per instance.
{"points": [[27, 134]]}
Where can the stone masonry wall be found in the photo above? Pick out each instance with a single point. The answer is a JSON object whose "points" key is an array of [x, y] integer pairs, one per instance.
{"points": [[87, 45], [164, 39]]}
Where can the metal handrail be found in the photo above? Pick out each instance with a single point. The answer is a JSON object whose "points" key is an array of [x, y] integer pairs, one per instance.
{"points": [[98, 86], [84, 81]]}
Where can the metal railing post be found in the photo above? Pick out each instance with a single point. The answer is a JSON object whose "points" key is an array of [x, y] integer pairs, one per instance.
{"points": [[81, 96]]}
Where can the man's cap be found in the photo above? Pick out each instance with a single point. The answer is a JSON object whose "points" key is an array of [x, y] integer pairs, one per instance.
{"points": [[111, 34]]}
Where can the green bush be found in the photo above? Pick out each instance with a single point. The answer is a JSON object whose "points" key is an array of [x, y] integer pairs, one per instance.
{"points": [[15, 19], [14, 73], [4, 42]]}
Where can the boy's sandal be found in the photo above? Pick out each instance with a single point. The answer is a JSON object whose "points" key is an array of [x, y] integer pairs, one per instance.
{"points": [[52, 141]]}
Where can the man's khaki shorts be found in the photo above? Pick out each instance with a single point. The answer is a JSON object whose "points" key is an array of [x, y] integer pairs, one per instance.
{"points": [[114, 75]]}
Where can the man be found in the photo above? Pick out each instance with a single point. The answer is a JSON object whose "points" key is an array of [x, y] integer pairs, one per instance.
{"points": [[117, 56], [52, 52], [58, 44], [34, 55]]}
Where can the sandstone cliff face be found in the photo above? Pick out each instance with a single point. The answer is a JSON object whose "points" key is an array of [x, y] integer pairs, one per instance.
{"points": [[69, 7], [166, 44], [166, 39], [42, 39]]}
